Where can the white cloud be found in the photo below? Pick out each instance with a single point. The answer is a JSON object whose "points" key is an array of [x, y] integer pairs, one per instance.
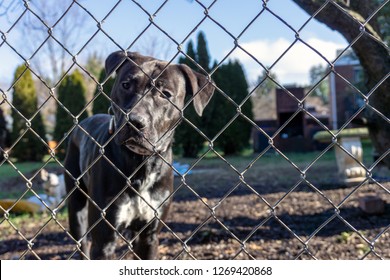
{"points": [[294, 66]]}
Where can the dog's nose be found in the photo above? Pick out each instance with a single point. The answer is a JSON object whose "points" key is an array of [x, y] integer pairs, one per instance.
{"points": [[138, 121]]}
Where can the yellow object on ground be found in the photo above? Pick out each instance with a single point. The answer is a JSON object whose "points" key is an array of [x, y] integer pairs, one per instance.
{"points": [[22, 206]]}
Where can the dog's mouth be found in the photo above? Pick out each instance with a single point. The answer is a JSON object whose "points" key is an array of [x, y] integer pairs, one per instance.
{"points": [[138, 148]]}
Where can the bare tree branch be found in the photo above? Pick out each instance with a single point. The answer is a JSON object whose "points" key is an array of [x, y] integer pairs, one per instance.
{"points": [[66, 23], [155, 45], [8, 6]]}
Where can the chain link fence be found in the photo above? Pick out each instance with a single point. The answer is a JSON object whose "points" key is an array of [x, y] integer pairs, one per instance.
{"points": [[271, 205]]}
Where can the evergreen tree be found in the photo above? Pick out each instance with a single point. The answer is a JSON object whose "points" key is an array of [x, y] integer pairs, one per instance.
{"points": [[71, 93], [203, 57], [218, 108], [29, 147], [186, 137], [3, 134], [191, 53], [101, 103], [231, 80]]}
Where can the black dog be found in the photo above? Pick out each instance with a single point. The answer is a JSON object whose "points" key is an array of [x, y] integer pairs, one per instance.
{"points": [[118, 178]]}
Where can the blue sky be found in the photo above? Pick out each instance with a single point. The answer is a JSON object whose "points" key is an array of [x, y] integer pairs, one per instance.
{"points": [[266, 39]]}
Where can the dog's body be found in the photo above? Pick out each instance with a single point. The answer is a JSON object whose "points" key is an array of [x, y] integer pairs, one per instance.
{"points": [[122, 182]]}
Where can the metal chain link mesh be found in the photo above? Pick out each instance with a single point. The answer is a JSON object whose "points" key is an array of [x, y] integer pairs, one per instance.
{"points": [[243, 244]]}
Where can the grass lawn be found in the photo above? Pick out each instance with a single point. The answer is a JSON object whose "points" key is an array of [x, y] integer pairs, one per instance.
{"points": [[213, 176], [271, 160], [8, 171], [12, 183], [213, 173]]}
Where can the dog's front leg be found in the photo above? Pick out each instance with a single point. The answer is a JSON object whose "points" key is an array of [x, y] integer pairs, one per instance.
{"points": [[102, 234], [146, 245]]}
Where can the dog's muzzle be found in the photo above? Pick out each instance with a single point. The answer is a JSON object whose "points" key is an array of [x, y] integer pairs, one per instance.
{"points": [[131, 134]]}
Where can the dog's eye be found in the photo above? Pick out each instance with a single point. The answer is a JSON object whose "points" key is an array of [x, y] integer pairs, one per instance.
{"points": [[166, 94], [126, 85]]}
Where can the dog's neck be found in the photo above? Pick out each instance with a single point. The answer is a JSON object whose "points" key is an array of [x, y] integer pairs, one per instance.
{"points": [[142, 166]]}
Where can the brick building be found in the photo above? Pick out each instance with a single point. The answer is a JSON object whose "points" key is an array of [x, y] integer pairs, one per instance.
{"points": [[277, 108]]}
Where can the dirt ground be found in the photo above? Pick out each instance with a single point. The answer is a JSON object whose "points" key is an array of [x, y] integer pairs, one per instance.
{"points": [[223, 217]]}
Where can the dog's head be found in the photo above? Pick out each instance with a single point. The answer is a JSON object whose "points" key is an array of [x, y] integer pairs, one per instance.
{"points": [[148, 98]]}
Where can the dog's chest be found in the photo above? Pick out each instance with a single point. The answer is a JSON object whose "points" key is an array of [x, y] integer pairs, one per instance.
{"points": [[143, 206]]}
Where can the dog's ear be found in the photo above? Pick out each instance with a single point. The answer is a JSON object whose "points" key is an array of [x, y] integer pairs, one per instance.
{"points": [[115, 60], [198, 85]]}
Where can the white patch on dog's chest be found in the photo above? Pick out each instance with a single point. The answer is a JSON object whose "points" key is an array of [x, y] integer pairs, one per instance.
{"points": [[141, 208]]}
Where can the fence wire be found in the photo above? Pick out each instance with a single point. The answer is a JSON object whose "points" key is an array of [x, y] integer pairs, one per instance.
{"points": [[245, 246]]}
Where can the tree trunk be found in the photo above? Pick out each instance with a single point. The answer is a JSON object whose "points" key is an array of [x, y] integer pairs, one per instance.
{"points": [[373, 55]]}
